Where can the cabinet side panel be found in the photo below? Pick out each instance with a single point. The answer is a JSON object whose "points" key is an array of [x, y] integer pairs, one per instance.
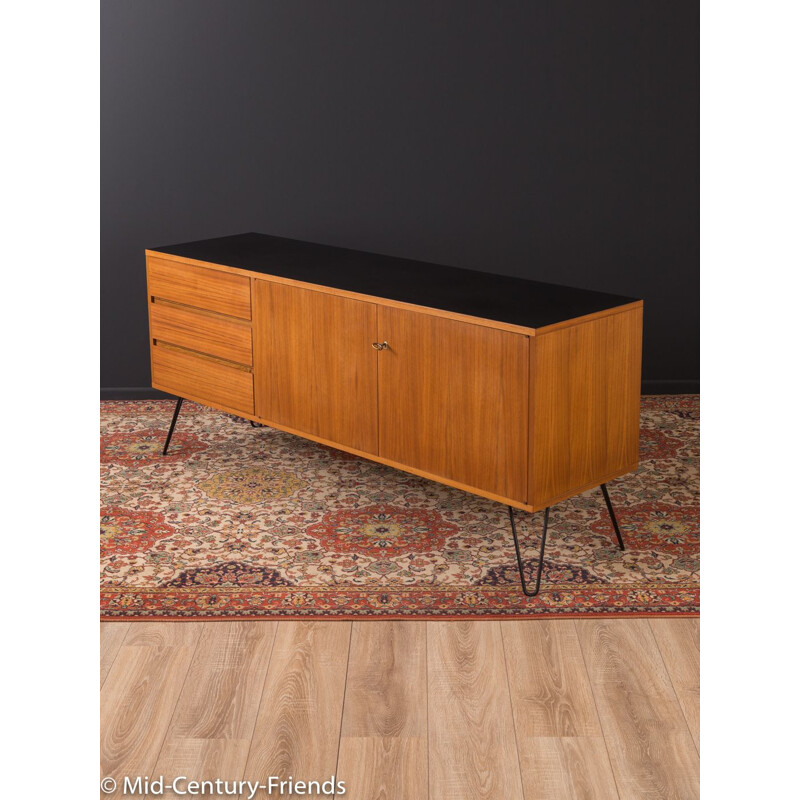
{"points": [[314, 365], [585, 395]]}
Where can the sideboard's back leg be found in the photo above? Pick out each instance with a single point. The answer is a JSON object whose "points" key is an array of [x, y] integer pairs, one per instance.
{"points": [[172, 424], [613, 516]]}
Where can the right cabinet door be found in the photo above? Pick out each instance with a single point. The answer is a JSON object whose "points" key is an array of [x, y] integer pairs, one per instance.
{"points": [[453, 400]]}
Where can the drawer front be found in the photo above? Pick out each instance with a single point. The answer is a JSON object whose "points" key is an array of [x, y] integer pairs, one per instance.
{"points": [[202, 379], [199, 287], [206, 333]]}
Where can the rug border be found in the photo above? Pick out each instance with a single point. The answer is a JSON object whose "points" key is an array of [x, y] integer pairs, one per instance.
{"points": [[404, 617]]}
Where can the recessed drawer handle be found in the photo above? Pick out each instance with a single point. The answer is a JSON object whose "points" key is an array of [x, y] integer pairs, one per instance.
{"points": [[381, 345]]}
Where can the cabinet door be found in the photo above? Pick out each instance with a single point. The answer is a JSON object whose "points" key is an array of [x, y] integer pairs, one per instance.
{"points": [[314, 364], [453, 400]]}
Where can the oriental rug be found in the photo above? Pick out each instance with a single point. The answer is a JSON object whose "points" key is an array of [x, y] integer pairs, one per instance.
{"points": [[253, 523]]}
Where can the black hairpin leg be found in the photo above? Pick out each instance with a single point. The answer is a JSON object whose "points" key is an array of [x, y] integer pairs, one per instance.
{"points": [[172, 424], [613, 516], [525, 589], [533, 593]]}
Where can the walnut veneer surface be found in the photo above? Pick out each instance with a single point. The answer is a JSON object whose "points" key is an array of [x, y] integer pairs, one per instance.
{"points": [[519, 391]]}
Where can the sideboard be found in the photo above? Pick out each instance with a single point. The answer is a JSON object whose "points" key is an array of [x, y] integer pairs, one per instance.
{"points": [[523, 392]]}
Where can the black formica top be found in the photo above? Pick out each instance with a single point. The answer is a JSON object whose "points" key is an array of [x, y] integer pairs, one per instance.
{"points": [[516, 301]]}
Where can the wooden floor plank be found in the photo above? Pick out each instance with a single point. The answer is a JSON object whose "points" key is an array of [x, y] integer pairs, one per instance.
{"points": [[223, 688], [678, 642], [140, 694], [299, 721], [472, 750], [383, 750], [111, 637], [484, 680], [386, 680], [566, 768], [559, 738], [202, 760], [651, 750], [384, 768], [550, 690], [163, 634]]}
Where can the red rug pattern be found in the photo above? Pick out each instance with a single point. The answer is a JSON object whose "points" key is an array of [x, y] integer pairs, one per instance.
{"points": [[243, 522]]}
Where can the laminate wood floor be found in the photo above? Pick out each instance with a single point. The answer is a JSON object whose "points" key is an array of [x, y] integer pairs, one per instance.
{"points": [[535, 710]]}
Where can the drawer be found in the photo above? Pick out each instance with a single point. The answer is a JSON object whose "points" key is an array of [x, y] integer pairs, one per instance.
{"points": [[200, 287], [203, 379], [198, 330]]}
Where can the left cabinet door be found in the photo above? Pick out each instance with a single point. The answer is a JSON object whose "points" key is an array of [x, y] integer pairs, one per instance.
{"points": [[314, 365]]}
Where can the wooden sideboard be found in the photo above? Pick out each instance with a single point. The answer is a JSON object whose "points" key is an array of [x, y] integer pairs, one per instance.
{"points": [[523, 392], [526, 406]]}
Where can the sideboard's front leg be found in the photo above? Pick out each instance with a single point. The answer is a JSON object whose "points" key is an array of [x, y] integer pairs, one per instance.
{"points": [[533, 593], [525, 589], [172, 424]]}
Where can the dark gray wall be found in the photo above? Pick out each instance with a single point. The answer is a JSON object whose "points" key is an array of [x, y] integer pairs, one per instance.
{"points": [[550, 139]]}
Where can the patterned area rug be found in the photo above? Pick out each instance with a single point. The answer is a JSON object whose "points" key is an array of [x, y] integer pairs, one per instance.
{"points": [[251, 522]]}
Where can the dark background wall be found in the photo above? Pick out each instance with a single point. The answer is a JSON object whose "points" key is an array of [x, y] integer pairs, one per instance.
{"points": [[548, 139]]}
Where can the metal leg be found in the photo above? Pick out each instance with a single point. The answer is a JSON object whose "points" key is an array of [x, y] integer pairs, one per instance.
{"points": [[525, 589], [613, 516], [533, 593], [172, 424]]}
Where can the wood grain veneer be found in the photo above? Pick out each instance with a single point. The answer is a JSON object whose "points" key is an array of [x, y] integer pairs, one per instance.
{"points": [[199, 286], [337, 445], [225, 337], [500, 325], [316, 370], [453, 400], [189, 374], [585, 396], [346, 293], [523, 416]]}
